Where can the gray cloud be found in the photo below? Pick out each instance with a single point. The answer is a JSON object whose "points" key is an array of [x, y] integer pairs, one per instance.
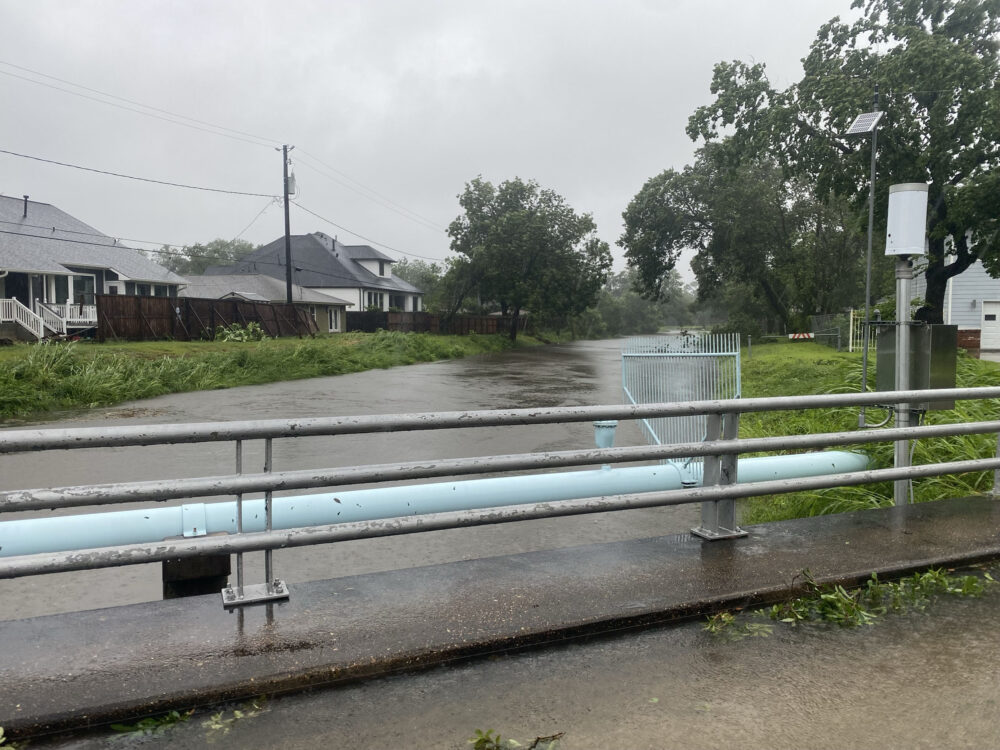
{"points": [[411, 99]]}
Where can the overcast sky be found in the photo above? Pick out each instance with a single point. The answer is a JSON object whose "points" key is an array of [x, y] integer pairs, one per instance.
{"points": [[391, 106]]}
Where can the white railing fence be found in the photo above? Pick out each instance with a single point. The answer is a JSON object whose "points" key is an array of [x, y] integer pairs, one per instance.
{"points": [[12, 311]]}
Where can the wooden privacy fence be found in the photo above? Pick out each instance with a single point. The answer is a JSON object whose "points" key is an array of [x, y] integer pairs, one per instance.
{"points": [[189, 318], [423, 322]]}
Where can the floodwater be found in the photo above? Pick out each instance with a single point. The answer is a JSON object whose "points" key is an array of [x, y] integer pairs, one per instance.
{"points": [[922, 679], [581, 373], [925, 679]]}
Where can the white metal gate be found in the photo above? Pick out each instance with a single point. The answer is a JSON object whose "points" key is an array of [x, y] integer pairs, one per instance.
{"points": [[670, 368]]}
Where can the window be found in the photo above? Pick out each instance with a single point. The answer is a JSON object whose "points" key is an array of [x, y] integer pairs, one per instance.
{"points": [[333, 318], [62, 289], [161, 290], [375, 299], [143, 290], [381, 268], [83, 290], [312, 312]]}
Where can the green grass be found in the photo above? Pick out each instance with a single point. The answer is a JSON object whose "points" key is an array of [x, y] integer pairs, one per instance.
{"points": [[808, 368], [42, 379]]}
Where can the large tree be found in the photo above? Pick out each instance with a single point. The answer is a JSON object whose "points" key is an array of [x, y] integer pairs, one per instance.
{"points": [[424, 276], [193, 260], [525, 248], [936, 66], [762, 246]]}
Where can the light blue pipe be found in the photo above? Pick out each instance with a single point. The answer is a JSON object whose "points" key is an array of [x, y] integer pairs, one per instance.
{"points": [[36, 535]]}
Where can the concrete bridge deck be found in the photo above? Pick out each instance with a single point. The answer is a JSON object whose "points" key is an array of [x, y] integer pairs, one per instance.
{"points": [[80, 669]]}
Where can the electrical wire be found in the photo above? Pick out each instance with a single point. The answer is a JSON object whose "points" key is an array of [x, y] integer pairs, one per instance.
{"points": [[259, 214], [236, 134], [383, 200], [240, 135], [366, 239], [140, 179]]}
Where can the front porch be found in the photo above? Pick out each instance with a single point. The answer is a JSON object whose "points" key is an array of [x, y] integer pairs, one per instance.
{"points": [[46, 320], [35, 306]]}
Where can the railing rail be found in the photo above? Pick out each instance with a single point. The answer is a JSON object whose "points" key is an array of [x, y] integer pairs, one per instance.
{"points": [[15, 441], [53, 321], [76, 315], [718, 481], [11, 310]]}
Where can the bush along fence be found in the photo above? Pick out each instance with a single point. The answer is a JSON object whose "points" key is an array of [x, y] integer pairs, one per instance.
{"points": [[423, 322], [188, 318]]}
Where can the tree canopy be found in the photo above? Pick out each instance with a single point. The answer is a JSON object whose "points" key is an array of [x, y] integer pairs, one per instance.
{"points": [[935, 63], [193, 260], [525, 248], [763, 246]]}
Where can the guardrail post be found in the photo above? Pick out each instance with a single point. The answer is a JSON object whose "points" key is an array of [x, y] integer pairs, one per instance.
{"points": [[718, 517], [273, 589], [996, 473]]}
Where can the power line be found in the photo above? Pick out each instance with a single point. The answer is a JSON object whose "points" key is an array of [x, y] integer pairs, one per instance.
{"points": [[256, 142], [259, 214], [140, 179], [174, 118], [366, 239], [414, 218], [382, 199]]}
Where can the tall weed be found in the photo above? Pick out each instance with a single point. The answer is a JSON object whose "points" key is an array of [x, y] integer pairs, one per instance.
{"points": [[842, 374], [60, 376]]}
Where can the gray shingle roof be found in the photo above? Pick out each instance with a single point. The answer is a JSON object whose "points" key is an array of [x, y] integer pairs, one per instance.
{"points": [[253, 286], [319, 261], [48, 240]]}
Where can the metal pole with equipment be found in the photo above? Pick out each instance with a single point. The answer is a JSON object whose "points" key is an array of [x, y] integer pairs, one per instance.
{"points": [[863, 124], [905, 237]]}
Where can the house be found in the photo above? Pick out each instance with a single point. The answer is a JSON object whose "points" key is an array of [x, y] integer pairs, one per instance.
{"points": [[971, 302], [52, 266], [326, 311], [357, 273]]}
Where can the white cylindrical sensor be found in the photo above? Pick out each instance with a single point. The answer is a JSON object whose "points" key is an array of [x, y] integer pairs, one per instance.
{"points": [[906, 228]]}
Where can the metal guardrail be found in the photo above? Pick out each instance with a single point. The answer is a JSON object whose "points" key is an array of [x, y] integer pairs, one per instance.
{"points": [[717, 492]]}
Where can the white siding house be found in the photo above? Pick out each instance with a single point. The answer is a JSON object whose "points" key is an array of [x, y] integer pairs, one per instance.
{"points": [[971, 302], [53, 266]]}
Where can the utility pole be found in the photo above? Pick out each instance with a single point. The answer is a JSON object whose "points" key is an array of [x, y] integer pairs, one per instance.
{"points": [[288, 227]]}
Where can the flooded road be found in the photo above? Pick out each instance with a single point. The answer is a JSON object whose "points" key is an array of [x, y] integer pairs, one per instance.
{"points": [[582, 373]]}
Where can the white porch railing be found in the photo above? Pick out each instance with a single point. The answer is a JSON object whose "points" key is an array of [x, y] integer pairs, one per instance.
{"points": [[76, 315], [12, 311], [50, 318]]}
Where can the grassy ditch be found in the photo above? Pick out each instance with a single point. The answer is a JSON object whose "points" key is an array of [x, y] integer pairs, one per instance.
{"points": [[790, 369], [40, 379]]}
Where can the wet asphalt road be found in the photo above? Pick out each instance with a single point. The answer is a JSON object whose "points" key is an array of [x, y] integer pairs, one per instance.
{"points": [[582, 373]]}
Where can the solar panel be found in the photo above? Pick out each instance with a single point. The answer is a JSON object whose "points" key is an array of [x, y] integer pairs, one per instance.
{"points": [[864, 123]]}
